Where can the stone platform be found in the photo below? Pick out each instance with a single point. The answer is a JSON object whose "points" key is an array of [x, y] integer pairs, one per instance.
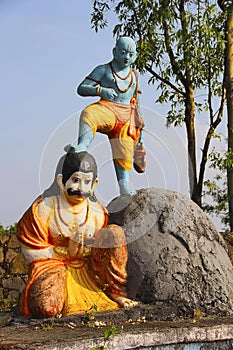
{"points": [[87, 332]]}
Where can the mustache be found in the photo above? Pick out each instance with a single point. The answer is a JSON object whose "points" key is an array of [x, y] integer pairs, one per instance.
{"points": [[72, 192]]}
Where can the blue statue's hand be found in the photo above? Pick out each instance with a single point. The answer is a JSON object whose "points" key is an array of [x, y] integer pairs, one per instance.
{"points": [[108, 93]]}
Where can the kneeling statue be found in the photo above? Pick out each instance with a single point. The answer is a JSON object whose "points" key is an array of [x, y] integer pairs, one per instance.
{"points": [[77, 262]]}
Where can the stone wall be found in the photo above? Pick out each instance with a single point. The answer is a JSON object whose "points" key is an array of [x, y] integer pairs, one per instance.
{"points": [[13, 270]]}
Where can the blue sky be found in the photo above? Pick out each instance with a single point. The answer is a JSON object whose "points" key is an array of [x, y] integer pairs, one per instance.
{"points": [[47, 48]]}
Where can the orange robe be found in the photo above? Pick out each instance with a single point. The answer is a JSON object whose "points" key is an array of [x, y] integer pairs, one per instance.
{"points": [[68, 286], [122, 123]]}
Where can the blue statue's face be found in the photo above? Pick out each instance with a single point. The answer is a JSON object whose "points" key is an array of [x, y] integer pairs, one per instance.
{"points": [[125, 52]]}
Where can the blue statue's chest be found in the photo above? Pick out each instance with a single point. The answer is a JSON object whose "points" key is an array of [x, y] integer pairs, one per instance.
{"points": [[124, 88]]}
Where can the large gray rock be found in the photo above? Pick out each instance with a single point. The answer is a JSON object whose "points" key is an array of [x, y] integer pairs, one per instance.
{"points": [[176, 256]]}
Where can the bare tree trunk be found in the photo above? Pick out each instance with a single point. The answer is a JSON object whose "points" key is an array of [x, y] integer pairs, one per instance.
{"points": [[190, 129], [229, 96]]}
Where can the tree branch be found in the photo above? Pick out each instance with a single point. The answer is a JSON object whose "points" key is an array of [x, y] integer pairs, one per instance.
{"points": [[210, 97], [174, 65], [222, 5], [165, 81], [187, 58], [208, 138]]}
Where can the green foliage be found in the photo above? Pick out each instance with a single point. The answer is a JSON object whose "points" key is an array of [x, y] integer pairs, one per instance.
{"points": [[216, 192], [108, 332], [99, 9], [90, 315], [8, 230], [47, 327], [220, 161], [216, 189]]}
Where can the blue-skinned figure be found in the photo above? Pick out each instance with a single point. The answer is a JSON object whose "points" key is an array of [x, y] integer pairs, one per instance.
{"points": [[116, 114]]}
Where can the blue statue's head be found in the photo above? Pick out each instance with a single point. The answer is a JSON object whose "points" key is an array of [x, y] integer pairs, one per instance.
{"points": [[125, 51]]}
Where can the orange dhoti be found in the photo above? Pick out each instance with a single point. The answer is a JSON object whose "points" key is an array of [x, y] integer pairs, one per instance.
{"points": [[121, 123]]}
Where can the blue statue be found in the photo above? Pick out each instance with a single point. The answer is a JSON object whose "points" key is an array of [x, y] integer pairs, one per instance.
{"points": [[116, 114]]}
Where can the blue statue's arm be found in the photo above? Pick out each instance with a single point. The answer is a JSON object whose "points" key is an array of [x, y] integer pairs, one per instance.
{"points": [[91, 85], [88, 87]]}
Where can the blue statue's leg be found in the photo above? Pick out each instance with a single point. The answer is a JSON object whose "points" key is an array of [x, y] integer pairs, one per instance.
{"points": [[123, 180], [85, 135], [84, 139]]}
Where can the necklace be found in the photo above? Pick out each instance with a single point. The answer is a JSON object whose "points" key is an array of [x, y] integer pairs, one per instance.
{"points": [[118, 76], [115, 75], [73, 225]]}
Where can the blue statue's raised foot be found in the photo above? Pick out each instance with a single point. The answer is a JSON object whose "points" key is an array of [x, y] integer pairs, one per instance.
{"points": [[74, 148]]}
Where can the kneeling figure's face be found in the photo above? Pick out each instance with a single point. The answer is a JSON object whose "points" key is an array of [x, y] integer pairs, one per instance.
{"points": [[79, 184]]}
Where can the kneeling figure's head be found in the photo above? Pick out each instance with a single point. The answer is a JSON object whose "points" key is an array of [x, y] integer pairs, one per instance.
{"points": [[79, 175]]}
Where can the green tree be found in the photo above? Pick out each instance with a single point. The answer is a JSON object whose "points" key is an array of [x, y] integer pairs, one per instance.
{"points": [[215, 191], [227, 8], [8, 230], [180, 44]]}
